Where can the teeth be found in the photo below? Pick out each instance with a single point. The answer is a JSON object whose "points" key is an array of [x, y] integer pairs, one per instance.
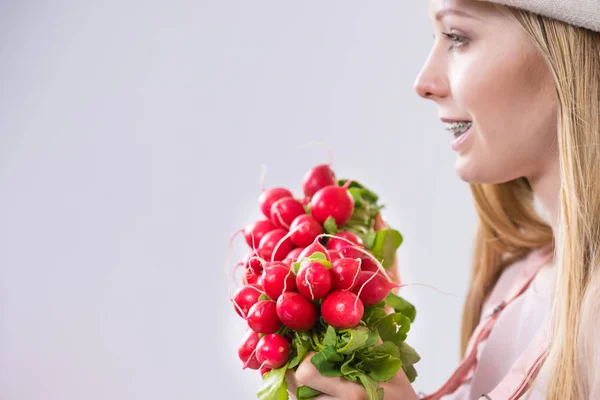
{"points": [[458, 128]]}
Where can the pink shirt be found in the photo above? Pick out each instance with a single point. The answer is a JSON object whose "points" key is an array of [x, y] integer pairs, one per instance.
{"points": [[515, 328]]}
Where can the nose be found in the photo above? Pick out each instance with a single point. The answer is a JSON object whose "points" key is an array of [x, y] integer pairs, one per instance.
{"points": [[432, 83]]}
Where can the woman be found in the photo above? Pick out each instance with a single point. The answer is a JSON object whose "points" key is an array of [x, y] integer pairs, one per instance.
{"points": [[519, 88]]}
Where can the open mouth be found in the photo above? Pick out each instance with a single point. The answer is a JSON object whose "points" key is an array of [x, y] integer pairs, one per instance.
{"points": [[458, 128]]}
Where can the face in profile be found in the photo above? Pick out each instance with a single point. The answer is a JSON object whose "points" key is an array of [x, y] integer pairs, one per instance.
{"points": [[494, 92]]}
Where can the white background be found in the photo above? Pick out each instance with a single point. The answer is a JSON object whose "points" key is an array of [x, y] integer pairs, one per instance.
{"points": [[132, 135]]}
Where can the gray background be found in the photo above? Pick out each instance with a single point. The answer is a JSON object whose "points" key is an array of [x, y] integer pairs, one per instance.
{"points": [[132, 135]]}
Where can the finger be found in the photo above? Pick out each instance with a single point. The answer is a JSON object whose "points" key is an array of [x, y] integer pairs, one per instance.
{"points": [[336, 387], [394, 272], [380, 222], [292, 383]]}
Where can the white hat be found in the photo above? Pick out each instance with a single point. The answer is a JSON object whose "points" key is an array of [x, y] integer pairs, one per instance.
{"points": [[582, 13]]}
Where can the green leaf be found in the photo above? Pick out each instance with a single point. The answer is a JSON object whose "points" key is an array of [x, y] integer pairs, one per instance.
{"points": [[308, 208], [387, 349], [301, 344], [386, 243], [353, 339], [366, 193], [374, 314], [383, 369], [317, 256], [408, 355], [274, 386], [356, 196], [373, 390], [399, 304], [411, 372], [306, 393], [330, 338], [296, 267], [393, 328], [263, 296], [373, 338], [369, 239], [327, 362], [330, 226], [348, 369]]}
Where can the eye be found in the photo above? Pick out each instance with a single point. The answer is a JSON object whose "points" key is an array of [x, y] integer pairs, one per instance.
{"points": [[457, 40]]}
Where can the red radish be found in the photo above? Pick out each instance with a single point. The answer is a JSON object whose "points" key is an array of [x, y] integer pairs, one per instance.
{"points": [[344, 273], [316, 247], [262, 317], [284, 211], [247, 350], [270, 196], [367, 264], [264, 370], [293, 255], [332, 201], [272, 351], [336, 244], [255, 231], [296, 312], [305, 230], [313, 280], [244, 298], [317, 178], [372, 288], [351, 252], [342, 309], [335, 255], [252, 278], [269, 242], [278, 278], [252, 261]]}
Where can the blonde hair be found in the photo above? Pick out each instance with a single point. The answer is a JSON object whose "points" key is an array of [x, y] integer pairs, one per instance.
{"points": [[510, 227]]}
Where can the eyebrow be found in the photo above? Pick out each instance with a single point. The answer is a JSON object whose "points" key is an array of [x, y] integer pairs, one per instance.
{"points": [[452, 11]]}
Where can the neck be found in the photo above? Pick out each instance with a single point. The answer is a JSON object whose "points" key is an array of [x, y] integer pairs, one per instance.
{"points": [[546, 186]]}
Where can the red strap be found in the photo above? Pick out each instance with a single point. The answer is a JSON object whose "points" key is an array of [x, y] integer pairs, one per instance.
{"points": [[483, 330]]}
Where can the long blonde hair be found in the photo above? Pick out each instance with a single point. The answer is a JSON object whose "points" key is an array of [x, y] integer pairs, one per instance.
{"points": [[510, 227]]}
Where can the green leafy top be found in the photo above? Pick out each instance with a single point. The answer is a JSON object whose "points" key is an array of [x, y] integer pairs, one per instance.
{"points": [[371, 352]]}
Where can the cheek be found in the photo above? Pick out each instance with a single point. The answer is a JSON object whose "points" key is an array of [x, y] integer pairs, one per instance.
{"points": [[510, 98], [495, 89]]}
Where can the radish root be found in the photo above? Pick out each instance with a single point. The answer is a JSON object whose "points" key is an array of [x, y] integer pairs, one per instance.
{"points": [[283, 239], [325, 145], [312, 295], [248, 360], [364, 251], [431, 287], [356, 274], [263, 174], [228, 259]]}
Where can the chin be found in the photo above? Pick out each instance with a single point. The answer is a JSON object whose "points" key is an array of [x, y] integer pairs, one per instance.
{"points": [[466, 172], [469, 173]]}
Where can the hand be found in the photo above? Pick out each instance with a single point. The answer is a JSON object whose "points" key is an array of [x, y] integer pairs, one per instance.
{"points": [[397, 388], [393, 272]]}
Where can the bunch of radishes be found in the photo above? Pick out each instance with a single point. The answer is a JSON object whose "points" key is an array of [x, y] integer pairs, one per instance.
{"points": [[314, 265]]}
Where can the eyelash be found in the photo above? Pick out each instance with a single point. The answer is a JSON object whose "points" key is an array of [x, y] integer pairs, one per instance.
{"points": [[457, 40]]}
